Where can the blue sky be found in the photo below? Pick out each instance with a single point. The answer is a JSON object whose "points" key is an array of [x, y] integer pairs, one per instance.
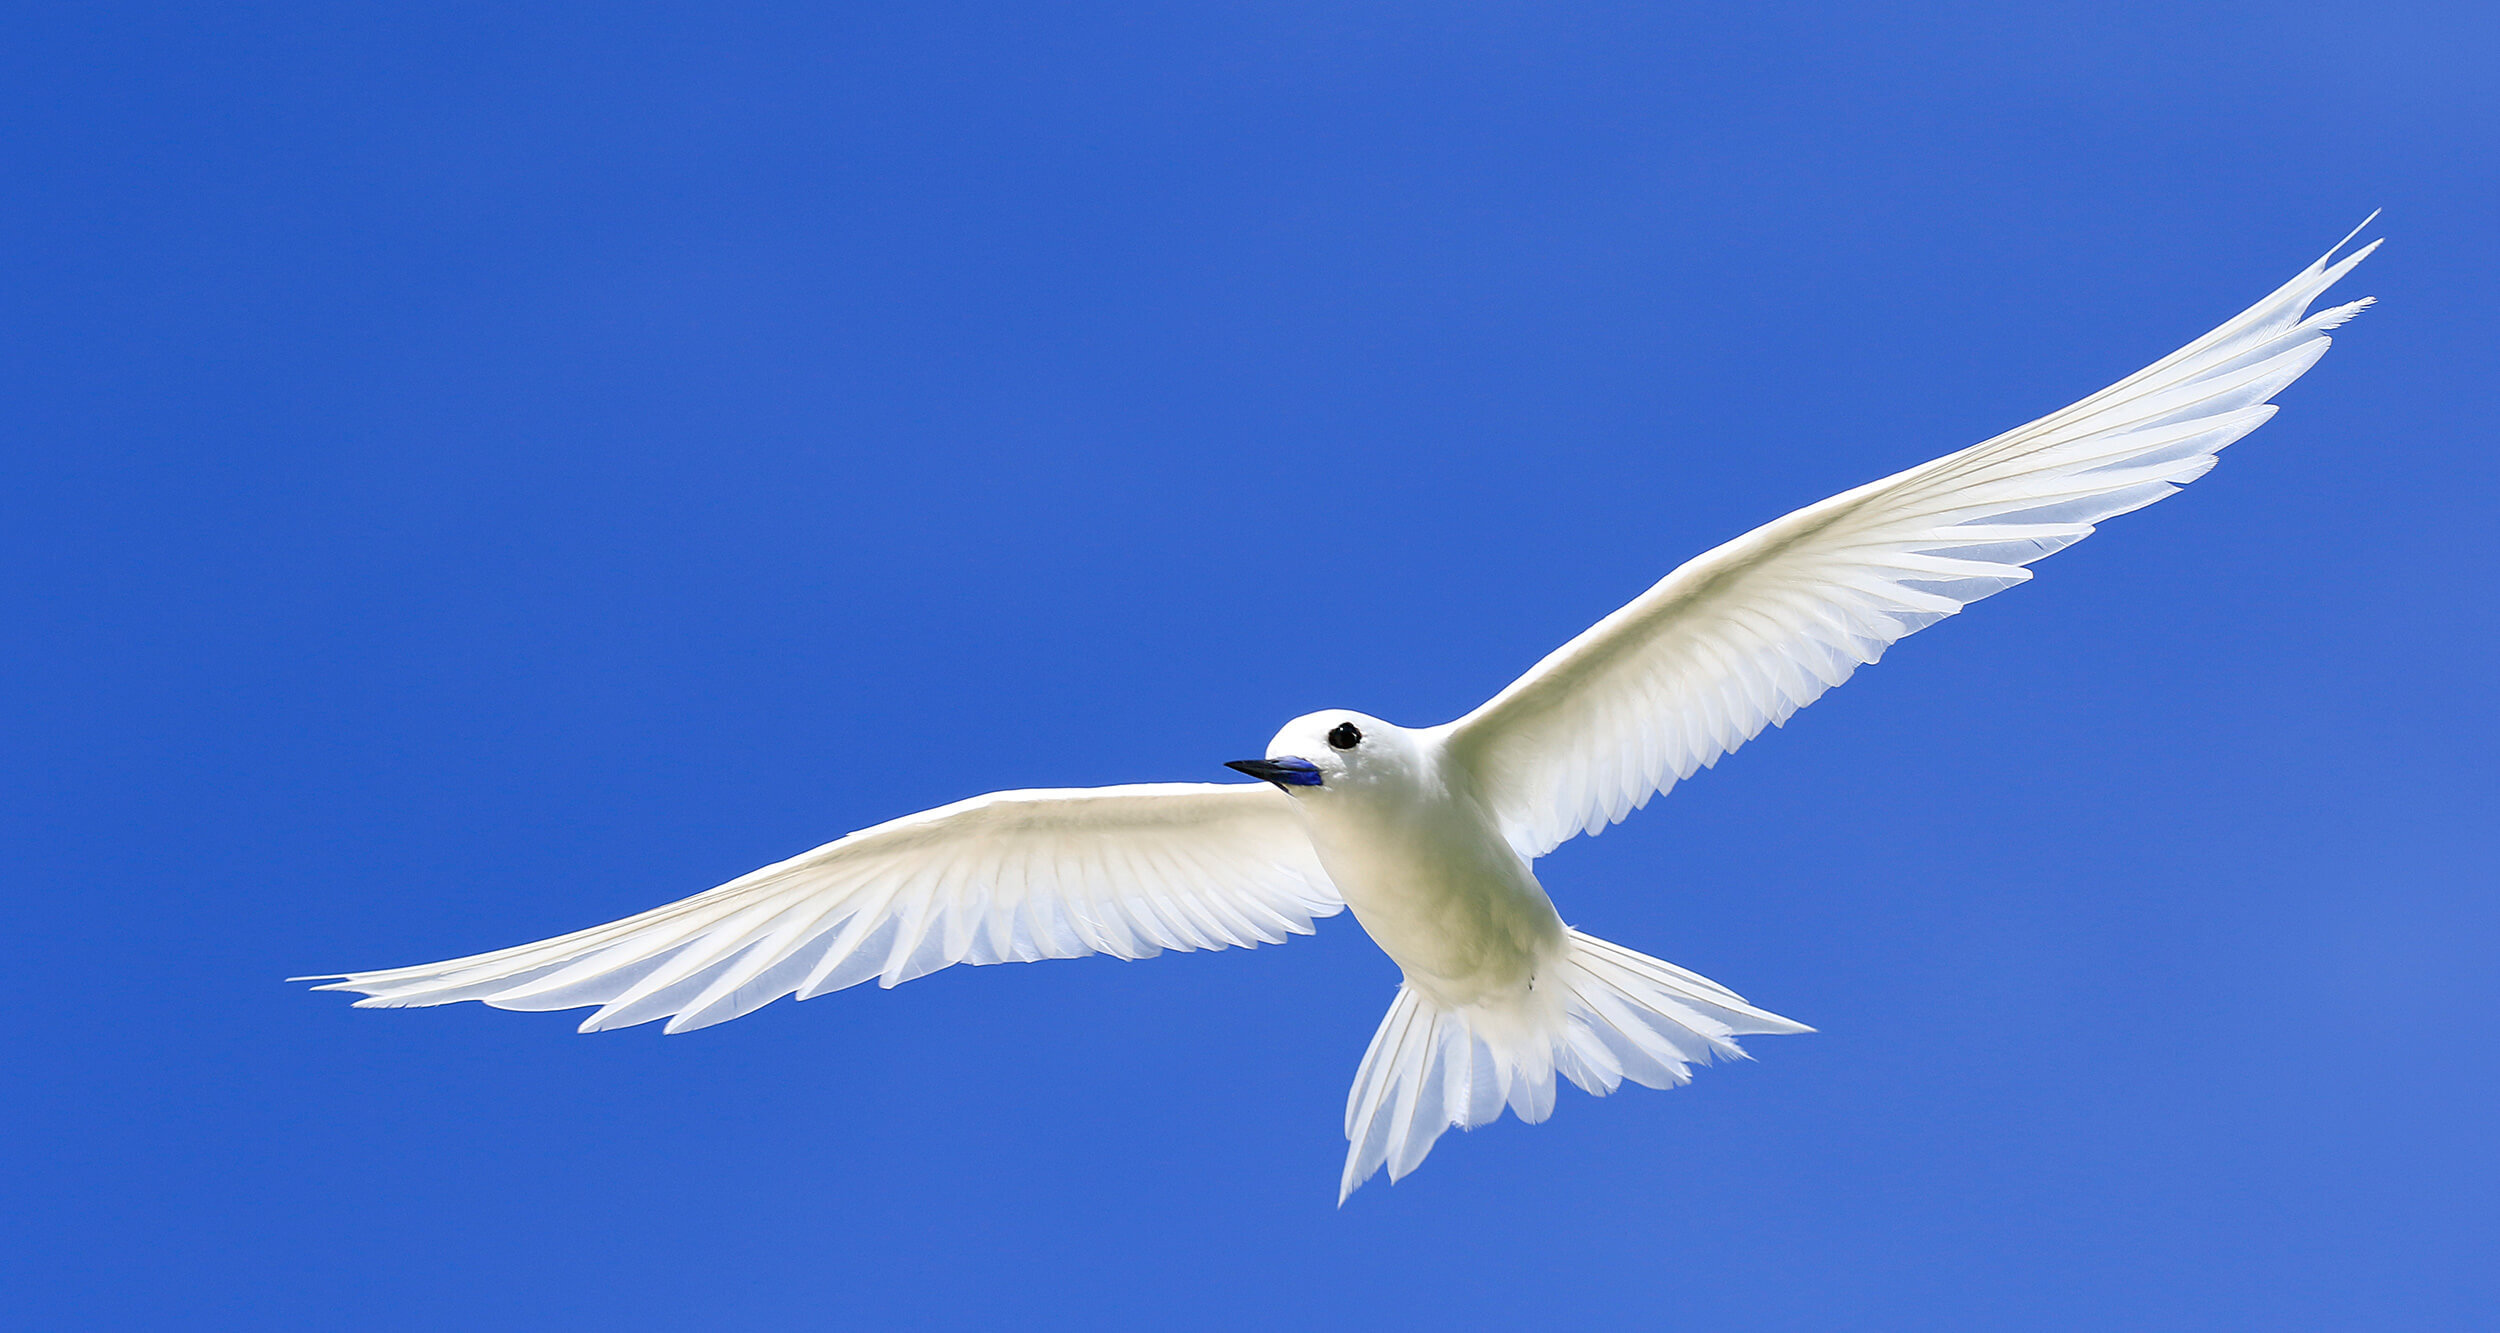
{"points": [[473, 474]]}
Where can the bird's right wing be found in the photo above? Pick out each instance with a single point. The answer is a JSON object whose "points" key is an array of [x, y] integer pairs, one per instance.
{"points": [[1008, 877], [1740, 637]]}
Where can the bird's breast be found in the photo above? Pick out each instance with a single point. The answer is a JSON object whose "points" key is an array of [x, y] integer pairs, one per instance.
{"points": [[1440, 891]]}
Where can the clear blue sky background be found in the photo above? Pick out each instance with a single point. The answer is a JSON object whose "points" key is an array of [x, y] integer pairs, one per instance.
{"points": [[470, 475]]}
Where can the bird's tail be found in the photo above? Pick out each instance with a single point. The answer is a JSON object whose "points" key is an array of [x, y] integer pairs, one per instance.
{"points": [[1604, 1014]]}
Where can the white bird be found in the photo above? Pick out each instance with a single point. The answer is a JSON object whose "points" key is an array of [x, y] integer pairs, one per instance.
{"points": [[1428, 833]]}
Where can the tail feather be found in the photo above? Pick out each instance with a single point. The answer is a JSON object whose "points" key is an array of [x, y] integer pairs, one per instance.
{"points": [[1605, 1015]]}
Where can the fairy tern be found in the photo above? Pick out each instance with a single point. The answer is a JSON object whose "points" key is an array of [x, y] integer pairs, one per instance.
{"points": [[1429, 833]]}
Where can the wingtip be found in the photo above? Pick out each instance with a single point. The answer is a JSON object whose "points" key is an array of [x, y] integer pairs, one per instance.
{"points": [[2328, 262], [2365, 226], [2341, 315]]}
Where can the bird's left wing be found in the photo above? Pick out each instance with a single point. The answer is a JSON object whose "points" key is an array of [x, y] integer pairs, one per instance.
{"points": [[1008, 877], [1748, 633]]}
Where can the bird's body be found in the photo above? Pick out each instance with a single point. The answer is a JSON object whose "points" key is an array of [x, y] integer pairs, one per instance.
{"points": [[1425, 869], [1498, 995], [1429, 834]]}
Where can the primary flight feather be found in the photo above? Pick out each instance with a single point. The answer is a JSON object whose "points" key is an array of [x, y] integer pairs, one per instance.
{"points": [[1427, 833]]}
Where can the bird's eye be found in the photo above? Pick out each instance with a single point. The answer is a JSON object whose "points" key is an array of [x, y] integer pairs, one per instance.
{"points": [[1346, 736]]}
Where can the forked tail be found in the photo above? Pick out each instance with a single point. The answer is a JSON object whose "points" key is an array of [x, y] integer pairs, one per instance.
{"points": [[1605, 1014]]}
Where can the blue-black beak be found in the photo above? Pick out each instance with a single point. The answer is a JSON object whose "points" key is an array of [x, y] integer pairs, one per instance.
{"points": [[1282, 772]]}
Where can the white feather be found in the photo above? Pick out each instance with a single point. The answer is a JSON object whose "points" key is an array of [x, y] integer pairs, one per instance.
{"points": [[1008, 877], [1600, 1015], [1742, 636]]}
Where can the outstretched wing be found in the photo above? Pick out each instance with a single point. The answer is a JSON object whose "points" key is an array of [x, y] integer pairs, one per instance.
{"points": [[1751, 632], [1008, 877]]}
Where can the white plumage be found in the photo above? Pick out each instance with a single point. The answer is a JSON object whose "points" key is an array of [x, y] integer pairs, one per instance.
{"points": [[1009, 877], [1752, 631], [1428, 833]]}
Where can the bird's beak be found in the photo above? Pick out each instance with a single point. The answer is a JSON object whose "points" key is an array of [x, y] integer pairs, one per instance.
{"points": [[1282, 772]]}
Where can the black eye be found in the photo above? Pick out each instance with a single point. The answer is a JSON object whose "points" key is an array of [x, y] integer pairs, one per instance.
{"points": [[1346, 736]]}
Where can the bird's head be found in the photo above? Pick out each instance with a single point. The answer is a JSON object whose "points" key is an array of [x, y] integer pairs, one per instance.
{"points": [[1333, 750]]}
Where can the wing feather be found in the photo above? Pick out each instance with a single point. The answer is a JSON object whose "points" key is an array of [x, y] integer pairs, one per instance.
{"points": [[1743, 636], [1008, 877]]}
